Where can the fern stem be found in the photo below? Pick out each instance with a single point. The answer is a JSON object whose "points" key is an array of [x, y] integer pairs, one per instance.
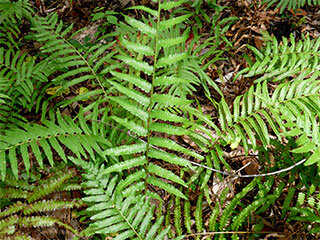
{"points": [[128, 222], [149, 109]]}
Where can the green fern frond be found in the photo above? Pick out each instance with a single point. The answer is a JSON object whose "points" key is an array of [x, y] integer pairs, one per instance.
{"points": [[304, 209], [44, 221], [229, 208], [50, 186], [13, 193], [278, 62], [11, 16], [287, 201], [73, 64], [10, 11], [45, 206], [291, 4], [66, 133], [22, 74], [11, 225], [112, 213], [255, 111], [144, 107]]}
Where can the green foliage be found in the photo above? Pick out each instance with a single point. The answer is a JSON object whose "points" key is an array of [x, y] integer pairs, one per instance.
{"points": [[24, 204], [258, 111], [144, 108], [122, 131], [74, 64], [113, 212], [279, 62], [11, 15], [291, 4], [15, 142]]}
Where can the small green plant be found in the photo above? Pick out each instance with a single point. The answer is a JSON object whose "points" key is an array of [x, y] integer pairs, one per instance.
{"points": [[27, 205]]}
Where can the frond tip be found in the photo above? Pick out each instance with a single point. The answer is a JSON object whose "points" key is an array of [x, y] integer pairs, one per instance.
{"points": [[113, 213]]}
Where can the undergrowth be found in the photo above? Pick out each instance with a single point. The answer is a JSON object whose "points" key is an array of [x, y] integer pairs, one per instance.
{"points": [[117, 109]]}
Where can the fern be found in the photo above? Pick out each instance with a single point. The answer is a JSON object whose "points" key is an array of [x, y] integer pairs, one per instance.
{"points": [[208, 219], [258, 111], [11, 15], [304, 209], [20, 74], [145, 107], [32, 202], [70, 61], [114, 213], [291, 4], [279, 62], [20, 78], [124, 130], [15, 143]]}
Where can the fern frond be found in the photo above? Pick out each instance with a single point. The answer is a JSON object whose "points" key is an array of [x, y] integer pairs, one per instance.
{"points": [[50, 186], [22, 74], [15, 143], [228, 209], [255, 111], [73, 64], [11, 12], [145, 109], [10, 228], [279, 62], [44, 221], [13, 193], [128, 216], [291, 4], [45, 206], [287, 201]]}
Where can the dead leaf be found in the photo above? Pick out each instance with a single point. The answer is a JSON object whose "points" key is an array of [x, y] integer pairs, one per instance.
{"points": [[298, 12], [252, 168], [258, 42]]}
